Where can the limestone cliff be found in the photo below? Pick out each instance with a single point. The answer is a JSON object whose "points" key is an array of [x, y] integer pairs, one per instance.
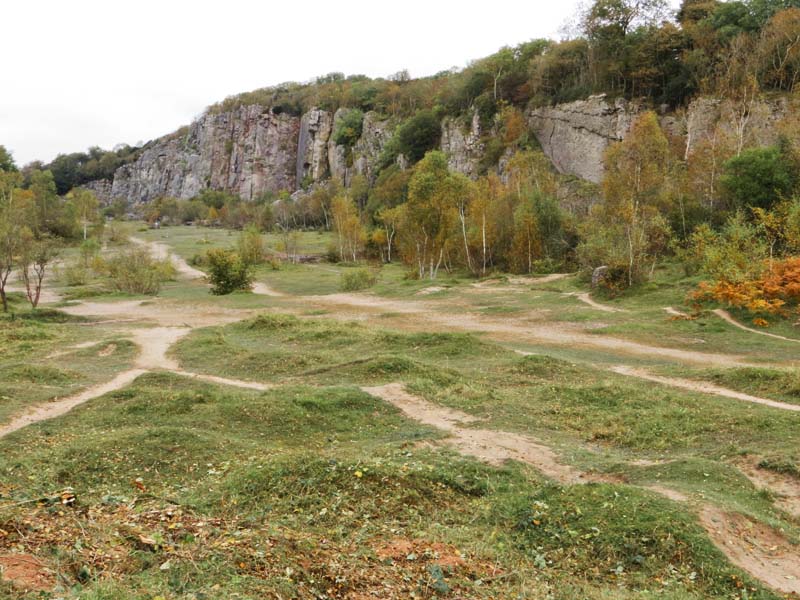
{"points": [[575, 136], [464, 146], [248, 151], [253, 149]]}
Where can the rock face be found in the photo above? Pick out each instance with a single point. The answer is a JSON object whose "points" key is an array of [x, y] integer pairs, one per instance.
{"points": [[101, 189], [252, 149], [312, 147], [749, 124], [248, 151], [375, 133], [575, 135], [464, 149]]}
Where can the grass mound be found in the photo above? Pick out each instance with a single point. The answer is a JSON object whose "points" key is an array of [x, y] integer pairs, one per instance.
{"points": [[38, 374], [762, 381], [544, 367], [786, 465], [624, 535]]}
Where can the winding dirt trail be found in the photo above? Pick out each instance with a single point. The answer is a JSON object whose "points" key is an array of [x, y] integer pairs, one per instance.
{"points": [[161, 251], [56, 408], [173, 322], [702, 387], [562, 334], [755, 548], [587, 299], [726, 316], [493, 447], [674, 312]]}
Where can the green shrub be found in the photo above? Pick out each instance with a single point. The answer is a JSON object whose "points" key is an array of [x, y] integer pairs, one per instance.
{"points": [[359, 279], [758, 177], [76, 274], [135, 271], [116, 235], [227, 272], [250, 246], [413, 138], [348, 129]]}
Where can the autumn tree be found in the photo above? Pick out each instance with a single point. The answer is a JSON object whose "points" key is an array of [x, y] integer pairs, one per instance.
{"points": [[35, 256], [526, 245], [86, 205], [431, 213], [390, 219], [779, 51], [350, 233], [14, 233], [629, 223]]}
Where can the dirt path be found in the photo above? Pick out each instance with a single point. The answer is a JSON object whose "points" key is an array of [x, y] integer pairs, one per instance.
{"points": [[54, 409], [702, 387], [587, 299], [755, 548], [493, 447], [725, 315], [561, 334], [239, 383], [162, 251], [262, 289], [674, 312], [785, 488]]}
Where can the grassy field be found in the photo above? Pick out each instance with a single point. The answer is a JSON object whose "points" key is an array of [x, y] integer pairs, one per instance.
{"points": [[314, 488]]}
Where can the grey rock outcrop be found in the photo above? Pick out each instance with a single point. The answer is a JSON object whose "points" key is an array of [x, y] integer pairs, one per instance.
{"points": [[101, 188], [248, 151], [575, 136], [464, 148], [337, 154], [253, 149], [312, 146], [375, 133], [755, 123]]}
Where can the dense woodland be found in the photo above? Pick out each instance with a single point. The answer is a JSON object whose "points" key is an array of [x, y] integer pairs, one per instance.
{"points": [[727, 210]]}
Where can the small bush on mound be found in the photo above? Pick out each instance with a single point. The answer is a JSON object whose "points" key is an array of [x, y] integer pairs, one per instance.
{"points": [[76, 274], [272, 322], [359, 279], [785, 465], [135, 271], [250, 246], [227, 272]]}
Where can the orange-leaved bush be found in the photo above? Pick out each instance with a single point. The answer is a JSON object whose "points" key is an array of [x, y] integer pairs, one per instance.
{"points": [[776, 289]]}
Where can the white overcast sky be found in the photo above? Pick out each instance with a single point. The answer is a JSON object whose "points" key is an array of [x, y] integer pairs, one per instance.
{"points": [[79, 73]]}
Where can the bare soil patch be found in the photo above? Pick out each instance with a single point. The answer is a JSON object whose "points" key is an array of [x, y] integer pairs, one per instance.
{"points": [[26, 572], [785, 488], [755, 548], [493, 447]]}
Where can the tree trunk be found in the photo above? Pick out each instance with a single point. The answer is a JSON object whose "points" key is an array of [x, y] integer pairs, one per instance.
{"points": [[464, 234]]}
